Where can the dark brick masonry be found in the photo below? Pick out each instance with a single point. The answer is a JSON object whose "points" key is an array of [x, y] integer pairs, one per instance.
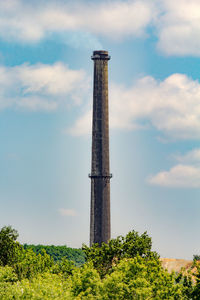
{"points": [[100, 171]]}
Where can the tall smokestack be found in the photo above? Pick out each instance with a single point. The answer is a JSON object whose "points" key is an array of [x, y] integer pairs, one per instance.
{"points": [[100, 171]]}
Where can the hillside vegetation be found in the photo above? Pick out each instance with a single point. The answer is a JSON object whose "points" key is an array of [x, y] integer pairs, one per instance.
{"points": [[126, 268], [59, 252]]}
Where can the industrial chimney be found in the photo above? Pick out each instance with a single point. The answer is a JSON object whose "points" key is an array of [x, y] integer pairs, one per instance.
{"points": [[100, 170]]}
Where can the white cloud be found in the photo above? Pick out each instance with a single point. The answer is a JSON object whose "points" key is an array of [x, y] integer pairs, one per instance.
{"points": [[179, 27], [41, 87], [67, 212], [192, 156], [31, 21], [186, 174], [119, 19], [82, 126], [81, 23], [180, 176], [171, 106]]}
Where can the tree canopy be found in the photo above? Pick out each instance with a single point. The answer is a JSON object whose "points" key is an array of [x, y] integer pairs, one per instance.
{"points": [[125, 268], [129, 246], [59, 252], [10, 249]]}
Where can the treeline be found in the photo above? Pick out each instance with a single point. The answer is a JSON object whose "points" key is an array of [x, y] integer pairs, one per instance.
{"points": [[125, 268], [59, 252]]}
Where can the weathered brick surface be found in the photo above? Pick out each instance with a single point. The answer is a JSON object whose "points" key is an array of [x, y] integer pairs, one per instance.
{"points": [[100, 171]]}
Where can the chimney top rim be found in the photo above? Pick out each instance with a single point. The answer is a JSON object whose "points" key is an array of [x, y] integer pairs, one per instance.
{"points": [[100, 54]]}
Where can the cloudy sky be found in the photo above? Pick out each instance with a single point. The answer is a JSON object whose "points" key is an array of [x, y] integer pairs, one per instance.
{"points": [[45, 123]]}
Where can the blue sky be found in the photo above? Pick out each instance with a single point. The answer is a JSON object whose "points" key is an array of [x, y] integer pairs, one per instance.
{"points": [[45, 119]]}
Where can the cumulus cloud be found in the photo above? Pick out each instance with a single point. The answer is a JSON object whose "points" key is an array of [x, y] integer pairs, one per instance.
{"points": [[192, 156], [81, 23], [82, 126], [171, 106], [180, 176], [32, 21], [67, 212], [41, 87], [178, 27], [186, 174]]}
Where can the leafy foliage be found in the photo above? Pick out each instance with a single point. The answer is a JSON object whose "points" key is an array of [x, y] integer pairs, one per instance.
{"points": [[140, 278], [125, 268], [85, 283], [64, 267], [107, 255], [10, 249], [196, 289], [44, 286], [196, 257], [30, 264], [7, 274], [59, 252]]}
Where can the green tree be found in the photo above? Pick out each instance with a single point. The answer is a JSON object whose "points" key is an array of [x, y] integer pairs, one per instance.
{"points": [[10, 249], [196, 274], [125, 268], [64, 267], [7, 274], [85, 283], [30, 264], [196, 257], [44, 286], [105, 256], [141, 278]]}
